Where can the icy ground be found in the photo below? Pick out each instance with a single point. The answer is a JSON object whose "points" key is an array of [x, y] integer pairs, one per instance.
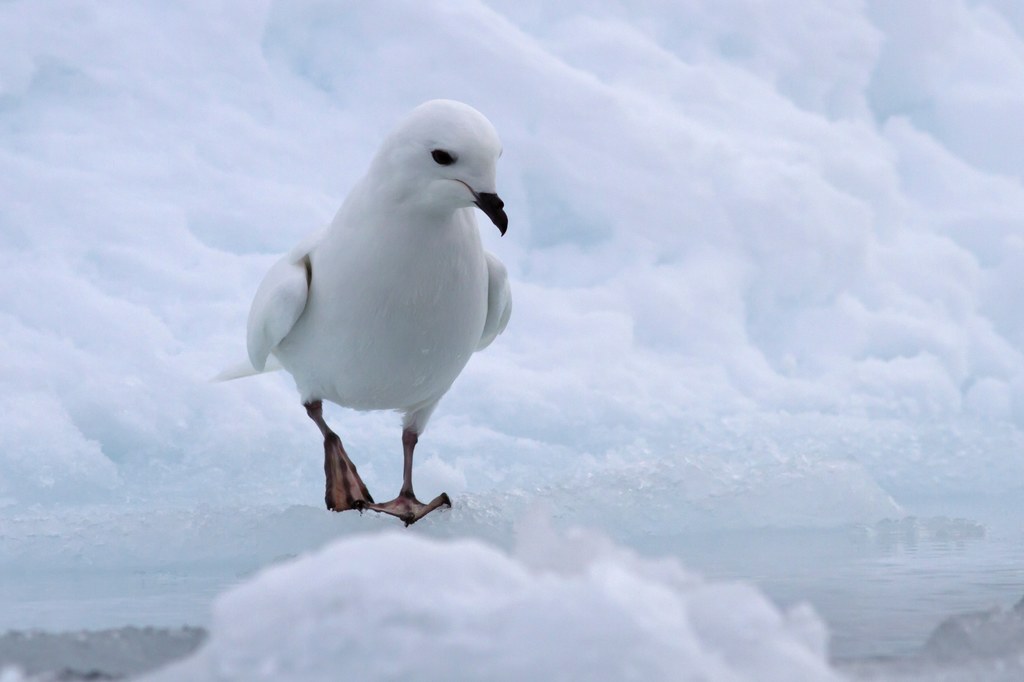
{"points": [[766, 260]]}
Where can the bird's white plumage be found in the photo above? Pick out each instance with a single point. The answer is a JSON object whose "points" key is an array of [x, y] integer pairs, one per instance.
{"points": [[279, 301], [400, 291], [499, 301]]}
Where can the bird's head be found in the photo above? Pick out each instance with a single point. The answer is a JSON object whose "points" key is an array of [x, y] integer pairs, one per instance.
{"points": [[443, 157]]}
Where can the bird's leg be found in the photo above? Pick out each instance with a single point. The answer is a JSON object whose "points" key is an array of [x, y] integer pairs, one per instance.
{"points": [[406, 506], [345, 490]]}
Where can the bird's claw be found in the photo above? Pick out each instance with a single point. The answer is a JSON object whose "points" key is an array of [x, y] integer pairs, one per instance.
{"points": [[408, 509]]}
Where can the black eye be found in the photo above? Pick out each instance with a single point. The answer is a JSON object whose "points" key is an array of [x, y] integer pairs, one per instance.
{"points": [[442, 157]]}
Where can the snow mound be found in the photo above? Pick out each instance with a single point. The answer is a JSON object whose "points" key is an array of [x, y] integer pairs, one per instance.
{"points": [[572, 607]]}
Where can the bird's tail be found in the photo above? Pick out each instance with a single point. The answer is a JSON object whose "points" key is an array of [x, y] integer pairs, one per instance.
{"points": [[245, 369]]}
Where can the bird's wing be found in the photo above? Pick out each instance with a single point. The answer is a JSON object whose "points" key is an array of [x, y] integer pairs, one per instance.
{"points": [[499, 301], [279, 302]]}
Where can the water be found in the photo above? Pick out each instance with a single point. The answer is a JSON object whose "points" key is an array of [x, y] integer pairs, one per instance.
{"points": [[881, 593], [882, 588]]}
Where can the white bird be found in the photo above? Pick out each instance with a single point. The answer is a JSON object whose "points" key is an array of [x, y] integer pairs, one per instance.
{"points": [[383, 309]]}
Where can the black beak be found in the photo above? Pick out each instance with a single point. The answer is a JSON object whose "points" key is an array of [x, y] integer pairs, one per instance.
{"points": [[494, 207]]}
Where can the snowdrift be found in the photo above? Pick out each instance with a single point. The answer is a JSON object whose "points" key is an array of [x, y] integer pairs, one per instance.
{"points": [[740, 238], [395, 606]]}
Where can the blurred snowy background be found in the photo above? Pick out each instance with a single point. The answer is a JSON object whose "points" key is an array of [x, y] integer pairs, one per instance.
{"points": [[767, 264]]}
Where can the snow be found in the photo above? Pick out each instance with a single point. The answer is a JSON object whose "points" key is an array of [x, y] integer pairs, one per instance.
{"points": [[766, 257], [761, 242], [392, 605]]}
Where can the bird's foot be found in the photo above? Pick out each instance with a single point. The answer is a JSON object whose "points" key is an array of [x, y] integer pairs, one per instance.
{"points": [[408, 508], [345, 490]]}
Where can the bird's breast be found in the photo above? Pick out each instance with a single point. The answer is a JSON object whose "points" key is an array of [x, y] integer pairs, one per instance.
{"points": [[391, 327]]}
